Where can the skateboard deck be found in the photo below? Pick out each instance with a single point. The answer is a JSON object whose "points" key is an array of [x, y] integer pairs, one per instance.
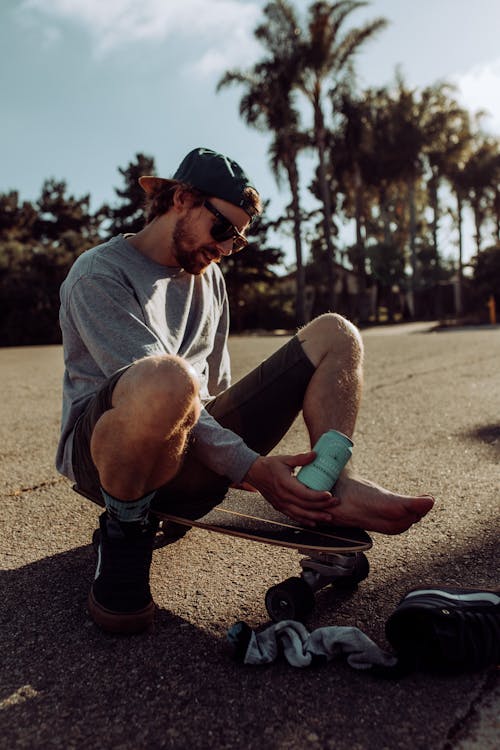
{"points": [[335, 555], [250, 516]]}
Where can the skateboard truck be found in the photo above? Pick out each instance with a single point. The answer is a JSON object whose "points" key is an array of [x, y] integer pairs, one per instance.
{"points": [[293, 599]]}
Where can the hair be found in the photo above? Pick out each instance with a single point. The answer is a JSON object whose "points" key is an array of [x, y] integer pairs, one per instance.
{"points": [[253, 202], [161, 199]]}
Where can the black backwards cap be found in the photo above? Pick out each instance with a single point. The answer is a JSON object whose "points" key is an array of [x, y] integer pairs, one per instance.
{"points": [[210, 172]]}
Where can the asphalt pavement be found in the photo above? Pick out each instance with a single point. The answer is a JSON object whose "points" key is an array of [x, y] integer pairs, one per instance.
{"points": [[429, 422]]}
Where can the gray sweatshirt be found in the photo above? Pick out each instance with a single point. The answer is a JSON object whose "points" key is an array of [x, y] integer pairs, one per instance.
{"points": [[118, 306]]}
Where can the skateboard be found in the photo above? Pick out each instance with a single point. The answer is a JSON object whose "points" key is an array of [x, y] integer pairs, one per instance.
{"points": [[333, 555]]}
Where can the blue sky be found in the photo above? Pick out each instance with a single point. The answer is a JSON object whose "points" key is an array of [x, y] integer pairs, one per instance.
{"points": [[86, 84]]}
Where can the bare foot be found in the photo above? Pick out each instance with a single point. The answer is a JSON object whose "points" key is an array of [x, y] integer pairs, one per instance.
{"points": [[373, 508]]}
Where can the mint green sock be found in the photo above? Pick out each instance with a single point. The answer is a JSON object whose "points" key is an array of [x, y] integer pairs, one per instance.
{"points": [[128, 511]]}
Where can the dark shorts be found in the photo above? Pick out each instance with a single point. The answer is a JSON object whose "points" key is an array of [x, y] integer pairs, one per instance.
{"points": [[260, 407]]}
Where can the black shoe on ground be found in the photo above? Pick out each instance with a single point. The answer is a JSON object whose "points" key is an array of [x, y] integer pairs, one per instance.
{"points": [[120, 598], [447, 629]]}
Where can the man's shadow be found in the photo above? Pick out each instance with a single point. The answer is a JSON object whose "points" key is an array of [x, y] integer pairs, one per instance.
{"points": [[63, 683], [61, 676], [489, 433]]}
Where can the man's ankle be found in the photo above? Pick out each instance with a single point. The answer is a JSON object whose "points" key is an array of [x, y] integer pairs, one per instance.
{"points": [[128, 511], [120, 599]]}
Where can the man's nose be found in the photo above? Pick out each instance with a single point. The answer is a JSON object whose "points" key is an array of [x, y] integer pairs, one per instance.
{"points": [[226, 247]]}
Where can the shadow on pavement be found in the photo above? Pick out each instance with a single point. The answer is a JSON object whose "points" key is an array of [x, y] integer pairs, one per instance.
{"points": [[65, 684], [489, 434], [453, 566]]}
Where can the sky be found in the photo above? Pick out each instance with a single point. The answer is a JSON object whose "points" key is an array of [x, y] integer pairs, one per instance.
{"points": [[87, 84]]}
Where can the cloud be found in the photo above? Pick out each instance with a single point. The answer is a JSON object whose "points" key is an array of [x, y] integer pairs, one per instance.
{"points": [[478, 90], [223, 28]]}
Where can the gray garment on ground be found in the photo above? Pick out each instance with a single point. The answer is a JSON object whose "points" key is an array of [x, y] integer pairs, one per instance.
{"points": [[118, 306], [299, 646]]}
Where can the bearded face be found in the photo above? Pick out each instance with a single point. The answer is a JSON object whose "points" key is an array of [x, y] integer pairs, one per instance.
{"points": [[190, 255]]}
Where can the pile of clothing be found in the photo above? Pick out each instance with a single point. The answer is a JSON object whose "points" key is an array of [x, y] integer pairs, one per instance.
{"points": [[435, 629]]}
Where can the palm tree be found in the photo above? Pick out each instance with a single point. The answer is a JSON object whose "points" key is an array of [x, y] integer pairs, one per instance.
{"points": [[495, 190], [383, 171], [348, 147], [481, 176], [445, 142], [268, 105], [399, 129], [327, 65]]}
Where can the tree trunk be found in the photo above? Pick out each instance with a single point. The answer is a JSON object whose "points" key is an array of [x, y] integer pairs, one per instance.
{"points": [[320, 138], [433, 189], [459, 284], [360, 246], [497, 215], [477, 223], [293, 178], [413, 249]]}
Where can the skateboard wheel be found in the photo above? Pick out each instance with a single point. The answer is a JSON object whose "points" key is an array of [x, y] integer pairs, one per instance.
{"points": [[360, 571], [290, 600]]}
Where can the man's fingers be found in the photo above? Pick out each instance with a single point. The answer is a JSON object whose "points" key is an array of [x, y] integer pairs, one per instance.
{"points": [[303, 516], [300, 459]]}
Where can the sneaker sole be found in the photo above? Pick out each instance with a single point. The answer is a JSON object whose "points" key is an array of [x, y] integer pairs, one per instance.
{"points": [[460, 596], [120, 623]]}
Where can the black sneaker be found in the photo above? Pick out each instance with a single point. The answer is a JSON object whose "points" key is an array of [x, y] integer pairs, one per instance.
{"points": [[120, 598], [447, 629]]}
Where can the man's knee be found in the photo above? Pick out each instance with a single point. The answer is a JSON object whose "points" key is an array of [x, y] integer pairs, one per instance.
{"points": [[160, 387], [331, 333]]}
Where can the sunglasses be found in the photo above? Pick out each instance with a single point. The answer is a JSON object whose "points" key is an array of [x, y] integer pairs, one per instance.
{"points": [[222, 229]]}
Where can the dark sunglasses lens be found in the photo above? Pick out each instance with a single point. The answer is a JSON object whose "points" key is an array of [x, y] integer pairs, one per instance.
{"points": [[222, 231]]}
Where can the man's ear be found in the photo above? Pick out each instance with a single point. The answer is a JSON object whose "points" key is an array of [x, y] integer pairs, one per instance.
{"points": [[183, 199]]}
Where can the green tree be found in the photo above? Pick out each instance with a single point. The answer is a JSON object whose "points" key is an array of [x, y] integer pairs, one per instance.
{"points": [[347, 148], [486, 277], [383, 175], [268, 105], [16, 219], [128, 214], [250, 279], [59, 213], [446, 139], [480, 175], [38, 243], [326, 66]]}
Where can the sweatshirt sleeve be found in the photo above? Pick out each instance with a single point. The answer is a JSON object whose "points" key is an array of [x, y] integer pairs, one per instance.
{"points": [[220, 449], [219, 366]]}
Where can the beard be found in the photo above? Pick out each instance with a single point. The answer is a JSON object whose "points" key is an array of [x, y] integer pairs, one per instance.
{"points": [[192, 258]]}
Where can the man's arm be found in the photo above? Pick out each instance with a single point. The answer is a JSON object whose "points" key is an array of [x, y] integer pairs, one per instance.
{"points": [[218, 361], [273, 477]]}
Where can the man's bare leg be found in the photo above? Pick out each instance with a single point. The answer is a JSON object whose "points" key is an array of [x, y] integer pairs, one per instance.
{"points": [[137, 445], [332, 401]]}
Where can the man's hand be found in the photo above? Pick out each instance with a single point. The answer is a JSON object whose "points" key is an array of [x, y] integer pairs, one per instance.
{"points": [[273, 477]]}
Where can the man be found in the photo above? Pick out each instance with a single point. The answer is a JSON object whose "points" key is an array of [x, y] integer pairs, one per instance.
{"points": [[148, 413]]}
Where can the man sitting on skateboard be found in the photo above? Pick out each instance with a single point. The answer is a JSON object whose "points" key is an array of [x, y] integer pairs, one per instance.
{"points": [[148, 410]]}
